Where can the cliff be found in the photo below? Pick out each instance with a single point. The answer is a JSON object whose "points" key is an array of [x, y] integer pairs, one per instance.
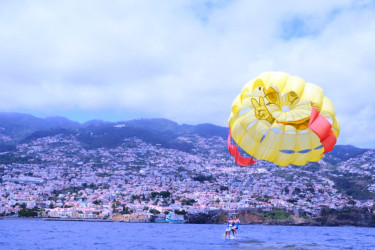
{"points": [[328, 217]]}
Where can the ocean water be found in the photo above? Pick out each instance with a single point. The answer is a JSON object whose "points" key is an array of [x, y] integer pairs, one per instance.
{"points": [[39, 234]]}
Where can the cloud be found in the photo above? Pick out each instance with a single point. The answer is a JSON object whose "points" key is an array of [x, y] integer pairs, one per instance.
{"points": [[184, 60]]}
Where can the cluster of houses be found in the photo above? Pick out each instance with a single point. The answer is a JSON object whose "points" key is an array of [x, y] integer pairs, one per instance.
{"points": [[61, 178]]}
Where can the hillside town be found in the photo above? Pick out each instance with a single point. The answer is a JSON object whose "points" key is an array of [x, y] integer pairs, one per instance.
{"points": [[57, 177]]}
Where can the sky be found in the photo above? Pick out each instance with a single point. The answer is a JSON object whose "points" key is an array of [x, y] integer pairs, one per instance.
{"points": [[183, 60]]}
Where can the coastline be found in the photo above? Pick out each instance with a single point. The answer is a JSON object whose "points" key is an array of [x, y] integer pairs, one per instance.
{"points": [[247, 217], [54, 219]]}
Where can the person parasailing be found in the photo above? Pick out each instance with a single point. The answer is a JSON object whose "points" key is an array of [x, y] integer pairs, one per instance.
{"points": [[229, 228]]}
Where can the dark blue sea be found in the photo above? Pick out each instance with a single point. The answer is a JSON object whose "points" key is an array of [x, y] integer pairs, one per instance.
{"points": [[39, 234]]}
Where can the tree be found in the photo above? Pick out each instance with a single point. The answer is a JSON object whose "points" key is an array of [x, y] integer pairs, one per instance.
{"points": [[182, 212], [97, 202], [188, 202], [126, 210], [352, 202], [201, 178], [297, 190], [135, 197], [165, 194], [154, 211], [26, 212], [292, 200], [23, 206]]}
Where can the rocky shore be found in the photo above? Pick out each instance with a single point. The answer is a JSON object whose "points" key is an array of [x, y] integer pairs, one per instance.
{"points": [[329, 217], [348, 216]]}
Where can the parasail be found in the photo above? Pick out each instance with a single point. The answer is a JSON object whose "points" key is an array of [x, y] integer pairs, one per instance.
{"points": [[282, 119]]}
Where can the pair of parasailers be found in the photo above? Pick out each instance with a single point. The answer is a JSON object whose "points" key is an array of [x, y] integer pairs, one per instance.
{"points": [[232, 226]]}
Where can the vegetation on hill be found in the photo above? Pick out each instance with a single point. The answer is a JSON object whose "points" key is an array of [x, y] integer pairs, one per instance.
{"points": [[24, 128]]}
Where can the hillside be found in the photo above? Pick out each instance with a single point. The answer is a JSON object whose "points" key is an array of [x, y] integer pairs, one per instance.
{"points": [[161, 165], [19, 128]]}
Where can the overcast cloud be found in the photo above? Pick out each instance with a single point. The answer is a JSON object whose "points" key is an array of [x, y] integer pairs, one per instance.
{"points": [[183, 60]]}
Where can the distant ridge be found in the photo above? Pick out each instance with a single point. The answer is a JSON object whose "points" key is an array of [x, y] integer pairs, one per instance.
{"points": [[18, 128], [18, 125]]}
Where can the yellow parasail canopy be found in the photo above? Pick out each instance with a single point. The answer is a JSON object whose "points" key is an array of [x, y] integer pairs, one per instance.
{"points": [[270, 119]]}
